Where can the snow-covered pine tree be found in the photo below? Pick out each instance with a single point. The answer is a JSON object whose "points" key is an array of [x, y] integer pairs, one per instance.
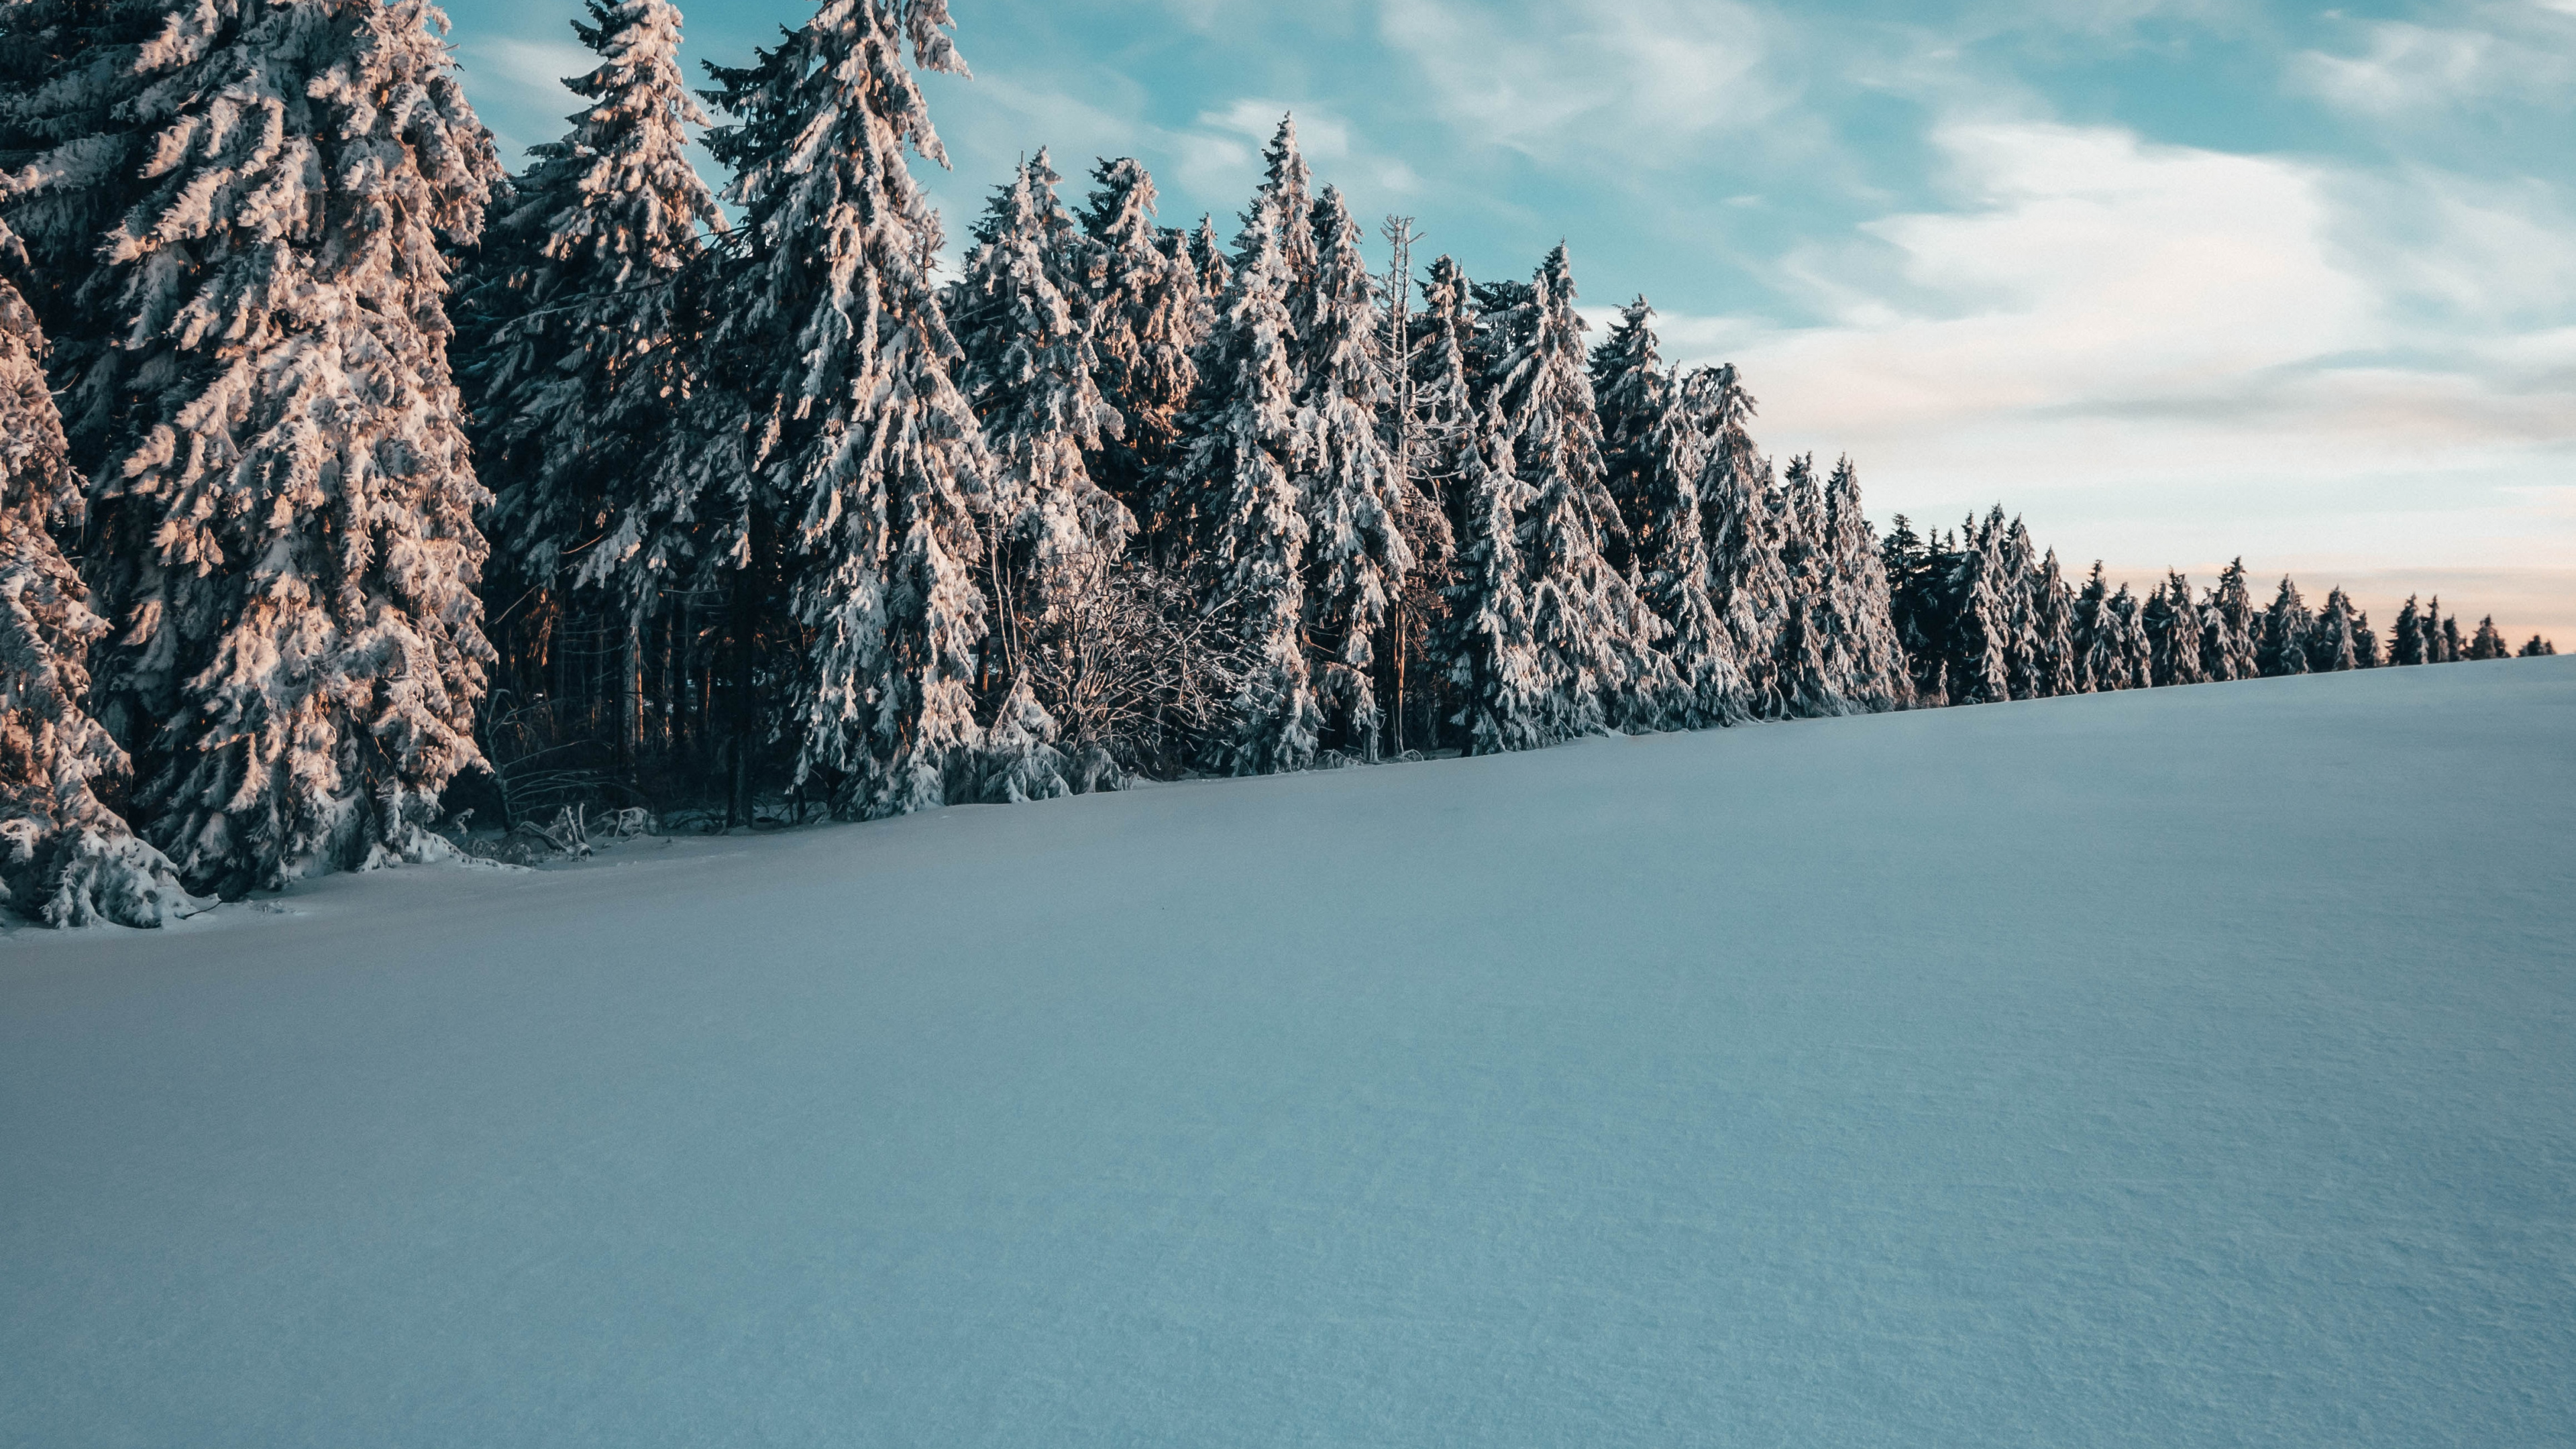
{"points": [[2173, 633], [2284, 641], [2406, 635], [834, 459], [1147, 317], [1486, 642], [1749, 581], [1634, 397], [1809, 656], [2489, 643], [2020, 587], [1028, 367], [1984, 628], [1356, 556], [2331, 645], [2099, 657], [2229, 629], [2133, 654], [2454, 648], [66, 857], [1286, 198], [2056, 664], [1596, 639], [1233, 494], [2536, 648], [287, 509], [2365, 642], [1215, 273], [572, 293], [1875, 676]]}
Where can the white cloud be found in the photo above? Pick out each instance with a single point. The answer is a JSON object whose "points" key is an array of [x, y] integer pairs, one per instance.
{"points": [[2167, 351], [1640, 78], [2409, 69]]}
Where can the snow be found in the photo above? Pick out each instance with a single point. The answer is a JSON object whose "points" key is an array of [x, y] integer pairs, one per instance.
{"points": [[2173, 1067]]}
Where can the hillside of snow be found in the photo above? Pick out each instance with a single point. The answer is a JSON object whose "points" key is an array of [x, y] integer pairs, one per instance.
{"points": [[2194, 1066]]}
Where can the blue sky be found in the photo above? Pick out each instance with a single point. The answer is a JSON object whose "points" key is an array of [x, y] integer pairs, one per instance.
{"points": [[2176, 281]]}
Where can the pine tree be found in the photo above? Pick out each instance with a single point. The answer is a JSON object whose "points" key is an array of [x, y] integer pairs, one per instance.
{"points": [[2537, 648], [1874, 671], [1597, 641], [1357, 557], [2406, 636], [2100, 649], [2229, 628], [1487, 640], [1028, 367], [287, 504], [1234, 495], [2173, 633], [1283, 204], [2283, 649], [1810, 662], [2133, 655], [1980, 669], [1750, 583], [2454, 648], [2057, 666], [2020, 589], [1635, 400], [830, 476], [1147, 316], [2365, 644], [597, 227], [2331, 644], [2489, 643], [66, 857], [1675, 561]]}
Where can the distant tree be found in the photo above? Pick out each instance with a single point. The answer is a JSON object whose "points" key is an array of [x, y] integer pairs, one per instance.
{"points": [[2408, 640], [1874, 658], [2489, 643], [2537, 648], [1501, 678], [1148, 313], [2173, 628], [2332, 644], [2229, 628], [2284, 642]]}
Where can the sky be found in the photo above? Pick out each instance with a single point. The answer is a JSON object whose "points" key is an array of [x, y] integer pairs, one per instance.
{"points": [[2175, 281]]}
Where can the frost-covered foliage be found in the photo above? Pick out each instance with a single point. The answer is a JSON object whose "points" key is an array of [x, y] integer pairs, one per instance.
{"points": [[286, 503], [1595, 638], [1501, 679], [1029, 369], [66, 857], [2173, 633], [1749, 583], [1857, 605], [2283, 645], [2227, 632], [1356, 556], [1148, 313], [832, 462], [1233, 495], [574, 290]]}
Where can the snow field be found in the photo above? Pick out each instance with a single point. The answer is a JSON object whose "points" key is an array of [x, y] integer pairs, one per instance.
{"points": [[2188, 1066]]}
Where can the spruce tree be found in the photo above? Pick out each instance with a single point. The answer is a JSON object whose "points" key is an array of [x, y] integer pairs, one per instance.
{"points": [[1234, 495], [1501, 678], [66, 857], [2365, 643], [2536, 648], [1353, 499], [1875, 676], [2284, 646], [1596, 639], [1676, 564], [1147, 316], [833, 459], [2229, 628], [2489, 642], [2133, 655], [567, 317], [2454, 648], [1983, 628], [2057, 666], [1284, 204], [286, 503], [1635, 400], [2406, 636], [1809, 656], [1028, 368], [1750, 583], [2331, 643], [2173, 633], [2101, 656], [2019, 585]]}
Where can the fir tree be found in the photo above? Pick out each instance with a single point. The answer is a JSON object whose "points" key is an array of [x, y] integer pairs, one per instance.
{"points": [[1282, 205], [66, 857], [1675, 560], [1147, 316], [1357, 557], [2133, 656], [2100, 649], [286, 501], [1487, 640], [1874, 676], [2229, 628], [2173, 633], [2331, 644], [2056, 666], [597, 228], [2365, 644], [835, 459], [2406, 636], [1984, 627], [2018, 585], [2454, 648], [1028, 368], [1595, 638], [2537, 648], [1809, 658], [1234, 494], [1750, 583], [1635, 399], [2283, 649]]}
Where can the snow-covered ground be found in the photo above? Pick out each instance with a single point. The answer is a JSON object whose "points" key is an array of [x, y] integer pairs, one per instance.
{"points": [[2179, 1068]]}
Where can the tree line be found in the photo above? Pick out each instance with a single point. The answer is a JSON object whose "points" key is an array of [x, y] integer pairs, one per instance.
{"points": [[352, 483]]}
